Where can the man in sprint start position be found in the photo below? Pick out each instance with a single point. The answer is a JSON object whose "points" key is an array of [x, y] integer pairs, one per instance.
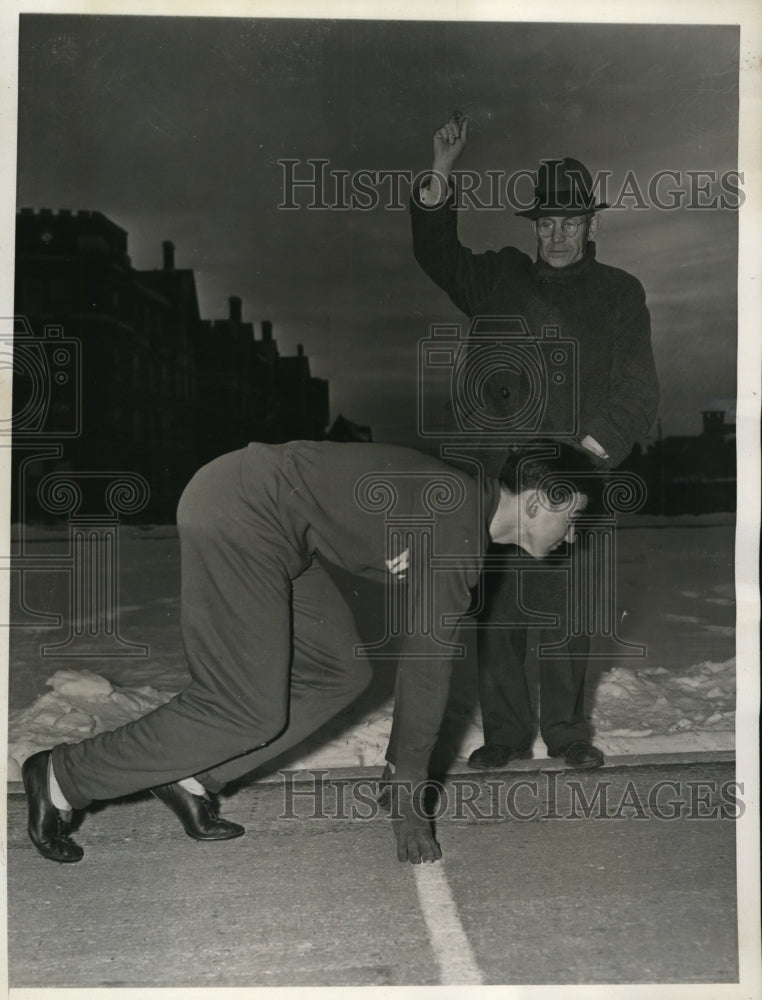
{"points": [[269, 640]]}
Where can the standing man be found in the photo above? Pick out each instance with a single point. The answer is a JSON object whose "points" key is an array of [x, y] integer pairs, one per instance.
{"points": [[602, 310], [269, 640]]}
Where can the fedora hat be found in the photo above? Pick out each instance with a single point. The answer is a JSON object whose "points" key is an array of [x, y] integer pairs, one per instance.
{"points": [[564, 187]]}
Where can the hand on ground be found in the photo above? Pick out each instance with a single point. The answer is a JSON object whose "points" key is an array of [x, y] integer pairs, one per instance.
{"points": [[415, 839]]}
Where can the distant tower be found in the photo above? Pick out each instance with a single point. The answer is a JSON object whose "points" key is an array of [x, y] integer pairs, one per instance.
{"points": [[168, 255], [714, 422]]}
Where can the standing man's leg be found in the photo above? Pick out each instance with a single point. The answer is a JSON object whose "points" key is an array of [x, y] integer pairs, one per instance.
{"points": [[503, 688], [563, 724], [506, 706]]}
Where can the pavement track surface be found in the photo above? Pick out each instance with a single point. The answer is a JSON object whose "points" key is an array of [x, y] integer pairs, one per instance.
{"points": [[324, 902]]}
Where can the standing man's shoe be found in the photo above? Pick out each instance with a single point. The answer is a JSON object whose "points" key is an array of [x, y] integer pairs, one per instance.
{"points": [[493, 756], [47, 830], [581, 755], [197, 814]]}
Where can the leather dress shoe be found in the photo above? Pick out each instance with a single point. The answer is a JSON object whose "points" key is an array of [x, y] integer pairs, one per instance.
{"points": [[581, 755], [197, 813], [494, 755], [47, 829]]}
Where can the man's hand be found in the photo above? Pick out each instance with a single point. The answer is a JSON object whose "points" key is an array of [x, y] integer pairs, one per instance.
{"points": [[415, 841], [449, 142], [590, 444], [412, 828]]}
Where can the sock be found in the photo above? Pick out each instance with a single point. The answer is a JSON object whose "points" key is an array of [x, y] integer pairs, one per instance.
{"points": [[193, 786], [57, 797]]}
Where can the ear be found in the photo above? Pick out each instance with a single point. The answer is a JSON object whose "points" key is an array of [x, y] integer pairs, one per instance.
{"points": [[594, 224], [531, 503]]}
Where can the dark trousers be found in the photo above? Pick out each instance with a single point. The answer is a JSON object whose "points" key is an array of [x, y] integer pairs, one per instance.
{"points": [[269, 645], [510, 598]]}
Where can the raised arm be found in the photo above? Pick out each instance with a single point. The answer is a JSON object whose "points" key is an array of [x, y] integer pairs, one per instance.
{"points": [[449, 142], [467, 277]]}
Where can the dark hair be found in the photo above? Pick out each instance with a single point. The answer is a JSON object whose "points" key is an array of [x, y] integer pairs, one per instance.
{"points": [[554, 468]]}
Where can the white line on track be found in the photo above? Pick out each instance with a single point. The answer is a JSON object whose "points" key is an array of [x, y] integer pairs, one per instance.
{"points": [[453, 951]]}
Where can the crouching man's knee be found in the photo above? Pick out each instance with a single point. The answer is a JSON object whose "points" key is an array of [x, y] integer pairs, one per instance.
{"points": [[361, 675], [352, 681]]}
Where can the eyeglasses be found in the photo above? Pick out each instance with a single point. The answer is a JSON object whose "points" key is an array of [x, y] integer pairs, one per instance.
{"points": [[569, 227]]}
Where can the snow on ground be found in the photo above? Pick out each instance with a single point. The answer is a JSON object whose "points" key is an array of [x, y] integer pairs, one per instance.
{"points": [[80, 704], [635, 712], [675, 595]]}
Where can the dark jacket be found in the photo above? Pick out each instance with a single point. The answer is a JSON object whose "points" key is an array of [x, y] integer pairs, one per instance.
{"points": [[601, 310], [359, 505]]}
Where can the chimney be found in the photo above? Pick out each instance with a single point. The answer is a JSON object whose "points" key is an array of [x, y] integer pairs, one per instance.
{"points": [[235, 309], [267, 330], [300, 350], [169, 255]]}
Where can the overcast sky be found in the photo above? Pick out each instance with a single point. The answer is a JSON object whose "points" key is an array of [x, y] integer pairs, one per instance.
{"points": [[173, 128]]}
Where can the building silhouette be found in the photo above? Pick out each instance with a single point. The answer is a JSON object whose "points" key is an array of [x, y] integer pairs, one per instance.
{"points": [[160, 390], [690, 474], [347, 431]]}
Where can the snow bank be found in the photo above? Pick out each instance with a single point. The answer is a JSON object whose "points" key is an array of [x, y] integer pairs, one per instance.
{"points": [[649, 710], [81, 704], [703, 698]]}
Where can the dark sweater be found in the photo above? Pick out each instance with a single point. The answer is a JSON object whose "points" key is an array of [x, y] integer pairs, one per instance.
{"points": [[600, 308], [348, 503]]}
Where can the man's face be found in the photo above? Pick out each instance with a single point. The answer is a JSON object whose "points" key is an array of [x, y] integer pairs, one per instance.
{"points": [[559, 248], [544, 528]]}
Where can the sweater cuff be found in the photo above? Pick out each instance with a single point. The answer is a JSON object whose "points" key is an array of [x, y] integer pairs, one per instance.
{"points": [[614, 444], [415, 196]]}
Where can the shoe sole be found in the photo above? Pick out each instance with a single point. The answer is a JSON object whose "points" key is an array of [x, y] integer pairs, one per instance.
{"points": [[586, 767], [209, 840], [59, 861], [235, 830], [521, 755]]}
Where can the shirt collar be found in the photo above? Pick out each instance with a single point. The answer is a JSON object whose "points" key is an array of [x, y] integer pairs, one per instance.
{"points": [[547, 273], [491, 501]]}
